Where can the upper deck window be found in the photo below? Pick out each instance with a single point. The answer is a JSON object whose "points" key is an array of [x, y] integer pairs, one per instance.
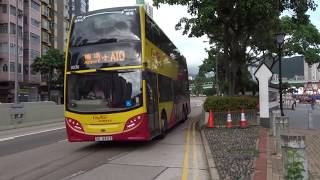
{"points": [[104, 26]]}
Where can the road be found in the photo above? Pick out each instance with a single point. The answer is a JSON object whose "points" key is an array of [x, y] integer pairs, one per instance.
{"points": [[43, 153], [303, 117]]}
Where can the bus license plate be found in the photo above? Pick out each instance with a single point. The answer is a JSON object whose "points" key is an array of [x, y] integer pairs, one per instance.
{"points": [[103, 138]]}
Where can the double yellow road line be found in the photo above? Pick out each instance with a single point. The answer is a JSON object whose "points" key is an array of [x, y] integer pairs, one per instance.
{"points": [[188, 142]]}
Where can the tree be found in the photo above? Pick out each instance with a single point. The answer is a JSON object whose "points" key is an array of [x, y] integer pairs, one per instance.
{"points": [[240, 30], [198, 82], [51, 65], [304, 39]]}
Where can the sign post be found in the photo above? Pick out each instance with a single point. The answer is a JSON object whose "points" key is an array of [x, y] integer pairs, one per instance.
{"points": [[263, 74]]}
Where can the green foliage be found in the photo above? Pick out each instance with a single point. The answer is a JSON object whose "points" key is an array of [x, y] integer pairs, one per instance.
{"points": [[198, 85], [51, 65], [242, 29], [295, 166], [209, 92], [304, 39], [224, 103]]}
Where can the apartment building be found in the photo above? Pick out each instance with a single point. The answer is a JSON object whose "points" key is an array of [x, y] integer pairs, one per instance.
{"points": [[63, 23], [11, 46], [28, 28], [77, 7], [48, 25]]}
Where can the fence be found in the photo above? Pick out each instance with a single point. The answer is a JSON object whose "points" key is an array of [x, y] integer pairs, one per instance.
{"points": [[33, 113], [220, 118]]}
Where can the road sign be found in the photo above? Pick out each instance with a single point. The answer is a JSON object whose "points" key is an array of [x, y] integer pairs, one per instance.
{"points": [[263, 74], [139, 1]]}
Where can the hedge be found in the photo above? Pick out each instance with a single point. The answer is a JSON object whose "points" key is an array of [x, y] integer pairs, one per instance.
{"points": [[232, 103]]}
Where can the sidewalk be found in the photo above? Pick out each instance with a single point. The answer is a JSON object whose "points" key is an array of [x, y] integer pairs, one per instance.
{"points": [[313, 157]]}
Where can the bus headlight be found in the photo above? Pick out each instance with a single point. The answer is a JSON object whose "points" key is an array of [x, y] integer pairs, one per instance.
{"points": [[74, 124], [133, 122]]}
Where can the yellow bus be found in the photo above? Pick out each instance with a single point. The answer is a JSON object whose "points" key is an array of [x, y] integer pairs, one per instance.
{"points": [[124, 79]]}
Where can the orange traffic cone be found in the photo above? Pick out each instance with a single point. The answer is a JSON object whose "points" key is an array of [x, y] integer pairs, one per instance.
{"points": [[229, 120], [211, 120], [243, 121]]}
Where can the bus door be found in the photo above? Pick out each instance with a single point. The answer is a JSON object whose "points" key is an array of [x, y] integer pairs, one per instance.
{"points": [[152, 102]]}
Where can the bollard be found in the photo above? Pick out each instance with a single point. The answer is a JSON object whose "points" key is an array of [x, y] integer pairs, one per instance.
{"points": [[310, 120], [281, 127], [274, 114], [293, 154]]}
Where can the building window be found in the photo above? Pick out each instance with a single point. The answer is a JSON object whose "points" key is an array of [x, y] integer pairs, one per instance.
{"points": [[3, 8], [12, 65], [35, 5], [13, 49], [35, 22], [12, 28], [45, 37], [13, 10], [20, 31], [35, 39], [34, 54], [4, 47], [45, 10], [3, 27], [5, 68], [20, 14], [19, 68], [45, 24], [44, 49]]}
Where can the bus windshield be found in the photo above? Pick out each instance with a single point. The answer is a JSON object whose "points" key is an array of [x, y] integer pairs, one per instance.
{"points": [[104, 91]]}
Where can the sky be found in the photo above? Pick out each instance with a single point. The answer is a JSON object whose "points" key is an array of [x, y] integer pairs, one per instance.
{"points": [[168, 16]]}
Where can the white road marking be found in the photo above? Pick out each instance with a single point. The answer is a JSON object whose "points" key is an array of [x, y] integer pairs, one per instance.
{"points": [[75, 174], [28, 134], [63, 140], [6, 139]]}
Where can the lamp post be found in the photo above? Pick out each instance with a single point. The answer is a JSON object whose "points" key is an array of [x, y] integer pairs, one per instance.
{"points": [[16, 63], [280, 41], [17, 109]]}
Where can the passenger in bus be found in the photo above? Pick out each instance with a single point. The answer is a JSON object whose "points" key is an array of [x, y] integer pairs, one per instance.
{"points": [[96, 92]]}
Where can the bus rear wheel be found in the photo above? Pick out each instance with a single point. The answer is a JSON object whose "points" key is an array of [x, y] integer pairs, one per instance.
{"points": [[185, 115]]}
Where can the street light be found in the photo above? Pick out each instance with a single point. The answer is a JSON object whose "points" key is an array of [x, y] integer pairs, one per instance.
{"points": [[16, 63], [17, 109], [280, 42]]}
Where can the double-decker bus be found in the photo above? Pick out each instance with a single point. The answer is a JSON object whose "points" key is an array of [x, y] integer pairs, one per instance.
{"points": [[124, 79]]}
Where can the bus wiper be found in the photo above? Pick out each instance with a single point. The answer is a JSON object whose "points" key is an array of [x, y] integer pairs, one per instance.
{"points": [[100, 41]]}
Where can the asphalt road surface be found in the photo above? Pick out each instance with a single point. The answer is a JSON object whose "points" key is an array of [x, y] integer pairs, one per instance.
{"points": [[303, 117], [43, 153]]}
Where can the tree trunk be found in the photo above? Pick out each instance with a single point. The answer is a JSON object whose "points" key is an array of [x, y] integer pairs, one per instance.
{"points": [[49, 85]]}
